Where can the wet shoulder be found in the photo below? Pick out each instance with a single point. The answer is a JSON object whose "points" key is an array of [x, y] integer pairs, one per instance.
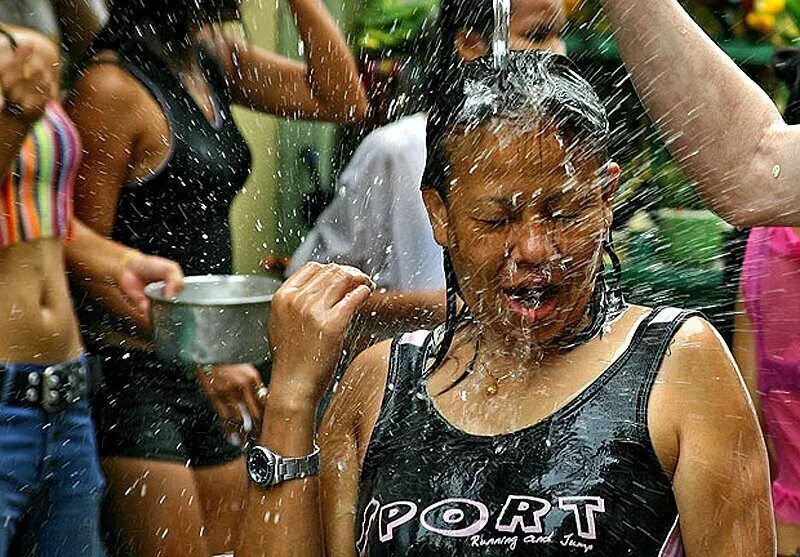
{"points": [[109, 85], [358, 397], [107, 93], [698, 388], [699, 359]]}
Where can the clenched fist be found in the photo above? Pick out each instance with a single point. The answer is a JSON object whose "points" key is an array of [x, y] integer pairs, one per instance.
{"points": [[309, 316]]}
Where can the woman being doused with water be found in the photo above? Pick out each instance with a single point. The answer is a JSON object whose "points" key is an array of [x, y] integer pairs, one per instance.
{"points": [[547, 417]]}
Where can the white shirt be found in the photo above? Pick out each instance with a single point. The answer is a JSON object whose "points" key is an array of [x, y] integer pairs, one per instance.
{"points": [[377, 220]]}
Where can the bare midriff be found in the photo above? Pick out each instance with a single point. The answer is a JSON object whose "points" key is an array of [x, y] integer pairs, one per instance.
{"points": [[37, 319]]}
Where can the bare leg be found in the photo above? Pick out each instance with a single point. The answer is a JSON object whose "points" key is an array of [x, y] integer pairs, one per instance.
{"points": [[160, 509], [153, 509], [222, 490]]}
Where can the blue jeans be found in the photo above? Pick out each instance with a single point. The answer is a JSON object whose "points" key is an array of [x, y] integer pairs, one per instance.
{"points": [[50, 481]]}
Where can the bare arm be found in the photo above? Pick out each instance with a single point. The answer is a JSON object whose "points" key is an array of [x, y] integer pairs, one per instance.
{"points": [[387, 313], [721, 480], [343, 440], [311, 309], [725, 131], [284, 519], [393, 311], [103, 106], [327, 87], [117, 274]]}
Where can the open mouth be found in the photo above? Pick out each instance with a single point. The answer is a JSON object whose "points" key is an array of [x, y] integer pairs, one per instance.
{"points": [[532, 303]]}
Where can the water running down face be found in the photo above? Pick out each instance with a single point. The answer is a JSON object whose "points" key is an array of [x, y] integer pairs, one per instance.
{"points": [[525, 237], [524, 198]]}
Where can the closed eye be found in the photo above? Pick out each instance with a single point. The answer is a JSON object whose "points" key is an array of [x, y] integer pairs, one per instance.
{"points": [[495, 222]]}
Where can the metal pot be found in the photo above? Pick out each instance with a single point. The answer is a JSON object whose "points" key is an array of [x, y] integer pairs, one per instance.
{"points": [[214, 319]]}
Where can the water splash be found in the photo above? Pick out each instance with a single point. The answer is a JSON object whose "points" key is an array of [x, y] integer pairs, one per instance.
{"points": [[502, 18]]}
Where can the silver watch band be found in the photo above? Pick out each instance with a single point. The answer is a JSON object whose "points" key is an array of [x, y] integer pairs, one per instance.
{"points": [[300, 467]]}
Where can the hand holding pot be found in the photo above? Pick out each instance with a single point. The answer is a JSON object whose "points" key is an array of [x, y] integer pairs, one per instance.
{"points": [[310, 314], [137, 270], [232, 389]]}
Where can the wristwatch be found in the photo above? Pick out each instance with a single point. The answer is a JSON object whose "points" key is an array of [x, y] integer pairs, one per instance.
{"points": [[266, 468]]}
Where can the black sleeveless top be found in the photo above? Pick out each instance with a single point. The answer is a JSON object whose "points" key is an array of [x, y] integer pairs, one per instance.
{"points": [[181, 212], [584, 481]]}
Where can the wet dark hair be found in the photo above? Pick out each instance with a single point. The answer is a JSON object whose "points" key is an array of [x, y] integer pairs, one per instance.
{"points": [[167, 18], [537, 88]]}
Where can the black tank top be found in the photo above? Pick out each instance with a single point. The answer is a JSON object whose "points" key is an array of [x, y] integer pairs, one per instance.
{"points": [[182, 211], [584, 481]]}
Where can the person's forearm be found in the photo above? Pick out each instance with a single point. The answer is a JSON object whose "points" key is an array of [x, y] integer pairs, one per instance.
{"points": [[395, 311], [719, 124], [91, 255], [332, 71], [284, 520], [95, 264], [387, 313]]}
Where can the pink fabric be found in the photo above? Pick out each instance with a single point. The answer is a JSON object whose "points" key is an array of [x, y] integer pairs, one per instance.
{"points": [[782, 416], [673, 547], [771, 289]]}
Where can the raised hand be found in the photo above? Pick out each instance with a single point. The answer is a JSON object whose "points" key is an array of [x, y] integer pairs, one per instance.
{"points": [[28, 83], [309, 316]]}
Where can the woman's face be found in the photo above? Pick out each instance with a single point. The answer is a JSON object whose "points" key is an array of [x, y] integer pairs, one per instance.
{"points": [[524, 228]]}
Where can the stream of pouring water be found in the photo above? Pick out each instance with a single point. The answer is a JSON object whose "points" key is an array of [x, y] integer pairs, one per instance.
{"points": [[502, 17]]}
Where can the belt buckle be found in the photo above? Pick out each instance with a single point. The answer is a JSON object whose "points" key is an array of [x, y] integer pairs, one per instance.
{"points": [[61, 387]]}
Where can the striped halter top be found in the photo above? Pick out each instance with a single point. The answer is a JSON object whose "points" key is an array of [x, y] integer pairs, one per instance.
{"points": [[36, 195]]}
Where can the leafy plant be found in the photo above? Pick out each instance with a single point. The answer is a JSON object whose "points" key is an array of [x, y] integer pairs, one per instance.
{"points": [[393, 24]]}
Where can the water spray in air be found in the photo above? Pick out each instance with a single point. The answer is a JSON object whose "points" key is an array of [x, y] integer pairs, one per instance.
{"points": [[502, 17]]}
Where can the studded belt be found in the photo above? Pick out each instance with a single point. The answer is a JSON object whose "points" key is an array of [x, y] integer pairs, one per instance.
{"points": [[52, 388]]}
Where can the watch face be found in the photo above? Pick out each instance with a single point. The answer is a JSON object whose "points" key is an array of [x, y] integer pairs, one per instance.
{"points": [[261, 466]]}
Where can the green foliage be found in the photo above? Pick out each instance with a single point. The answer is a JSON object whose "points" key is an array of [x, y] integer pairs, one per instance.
{"points": [[393, 24]]}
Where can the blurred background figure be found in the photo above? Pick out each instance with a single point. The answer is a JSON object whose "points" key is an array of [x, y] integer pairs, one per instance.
{"points": [[766, 341], [164, 160], [767, 348], [50, 479]]}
